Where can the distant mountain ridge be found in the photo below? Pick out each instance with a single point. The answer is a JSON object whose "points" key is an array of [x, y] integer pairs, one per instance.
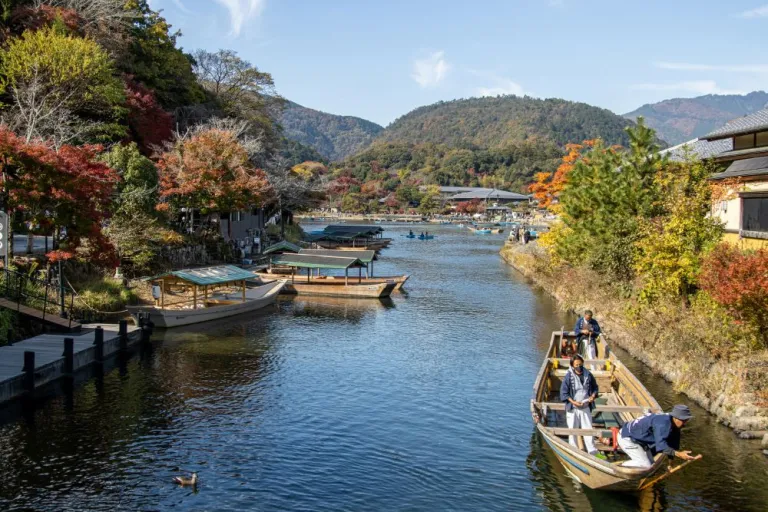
{"points": [[333, 136], [492, 122], [679, 120]]}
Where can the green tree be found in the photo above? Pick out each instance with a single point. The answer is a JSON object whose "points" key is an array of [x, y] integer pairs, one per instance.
{"points": [[53, 76], [138, 190], [154, 60], [608, 194], [430, 201], [672, 245]]}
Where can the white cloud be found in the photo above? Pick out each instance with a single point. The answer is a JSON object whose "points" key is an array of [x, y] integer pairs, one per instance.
{"points": [[686, 66], [503, 86], [693, 86], [758, 12], [431, 70], [241, 11]]}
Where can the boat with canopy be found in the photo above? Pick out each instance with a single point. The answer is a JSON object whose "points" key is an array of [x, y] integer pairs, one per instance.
{"points": [[337, 286], [190, 296], [367, 257]]}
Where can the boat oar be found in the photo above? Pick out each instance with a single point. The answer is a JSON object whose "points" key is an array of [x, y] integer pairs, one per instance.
{"points": [[669, 472]]}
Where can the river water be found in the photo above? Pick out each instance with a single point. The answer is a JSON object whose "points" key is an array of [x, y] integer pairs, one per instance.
{"points": [[415, 403]]}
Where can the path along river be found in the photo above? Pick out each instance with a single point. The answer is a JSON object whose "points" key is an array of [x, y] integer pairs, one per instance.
{"points": [[419, 403]]}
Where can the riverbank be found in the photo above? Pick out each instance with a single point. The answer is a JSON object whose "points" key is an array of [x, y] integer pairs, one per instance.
{"points": [[677, 345]]}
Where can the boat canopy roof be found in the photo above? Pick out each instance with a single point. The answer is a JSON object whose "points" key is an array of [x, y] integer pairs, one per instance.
{"points": [[219, 274], [315, 261], [284, 246], [364, 256], [352, 228]]}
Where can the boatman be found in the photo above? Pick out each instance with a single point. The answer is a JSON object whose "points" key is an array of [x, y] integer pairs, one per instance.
{"points": [[644, 437], [587, 330], [578, 391]]}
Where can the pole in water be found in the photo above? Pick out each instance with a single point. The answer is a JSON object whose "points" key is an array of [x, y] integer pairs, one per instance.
{"points": [[29, 370], [122, 332], [98, 341], [69, 356]]}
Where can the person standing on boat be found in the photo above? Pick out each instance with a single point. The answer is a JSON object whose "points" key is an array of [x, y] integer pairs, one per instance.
{"points": [[587, 330], [578, 391], [644, 437]]}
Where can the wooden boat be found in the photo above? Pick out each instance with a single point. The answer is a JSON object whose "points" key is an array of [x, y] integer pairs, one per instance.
{"points": [[218, 299], [398, 280], [339, 289], [622, 398]]}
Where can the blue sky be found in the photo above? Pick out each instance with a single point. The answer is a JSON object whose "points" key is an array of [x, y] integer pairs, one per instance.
{"points": [[380, 59]]}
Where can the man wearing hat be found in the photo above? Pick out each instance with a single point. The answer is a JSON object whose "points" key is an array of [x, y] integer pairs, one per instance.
{"points": [[644, 437]]}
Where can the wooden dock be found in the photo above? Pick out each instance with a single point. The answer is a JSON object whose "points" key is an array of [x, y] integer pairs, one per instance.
{"points": [[52, 319], [29, 364]]}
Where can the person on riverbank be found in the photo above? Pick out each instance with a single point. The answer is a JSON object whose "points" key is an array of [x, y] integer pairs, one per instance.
{"points": [[526, 236], [587, 330], [644, 437], [578, 391]]}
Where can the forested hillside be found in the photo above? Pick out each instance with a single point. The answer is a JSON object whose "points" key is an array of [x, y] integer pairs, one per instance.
{"points": [[334, 137], [494, 122], [679, 120], [110, 133]]}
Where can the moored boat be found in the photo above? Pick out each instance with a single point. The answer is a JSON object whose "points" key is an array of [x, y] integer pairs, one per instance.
{"points": [[621, 399], [334, 289], [216, 292]]}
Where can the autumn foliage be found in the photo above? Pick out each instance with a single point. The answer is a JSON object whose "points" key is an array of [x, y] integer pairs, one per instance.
{"points": [[547, 186], [738, 280], [149, 124], [69, 189], [470, 207], [211, 171]]}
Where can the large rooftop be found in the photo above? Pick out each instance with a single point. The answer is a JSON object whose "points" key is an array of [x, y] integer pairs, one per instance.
{"points": [[698, 148], [744, 168], [752, 123], [488, 194]]}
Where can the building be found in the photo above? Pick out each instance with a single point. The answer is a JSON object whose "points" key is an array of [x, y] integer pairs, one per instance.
{"points": [[743, 207], [489, 195]]}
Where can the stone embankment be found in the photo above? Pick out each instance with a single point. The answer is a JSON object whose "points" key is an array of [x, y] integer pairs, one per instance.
{"points": [[734, 389]]}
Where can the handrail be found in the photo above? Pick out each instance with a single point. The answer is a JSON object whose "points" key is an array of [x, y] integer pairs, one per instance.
{"points": [[16, 289]]}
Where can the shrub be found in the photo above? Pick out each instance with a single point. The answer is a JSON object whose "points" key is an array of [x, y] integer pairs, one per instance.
{"points": [[738, 280]]}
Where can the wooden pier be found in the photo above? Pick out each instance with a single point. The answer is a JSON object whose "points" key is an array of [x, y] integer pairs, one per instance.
{"points": [[29, 364]]}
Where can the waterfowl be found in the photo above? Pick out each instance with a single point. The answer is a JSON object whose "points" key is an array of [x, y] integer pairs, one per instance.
{"points": [[182, 480]]}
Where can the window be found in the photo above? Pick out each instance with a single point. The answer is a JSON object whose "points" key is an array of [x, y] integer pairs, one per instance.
{"points": [[744, 141], [754, 214], [762, 139]]}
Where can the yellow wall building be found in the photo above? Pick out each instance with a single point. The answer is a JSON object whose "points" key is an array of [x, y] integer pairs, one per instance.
{"points": [[744, 206]]}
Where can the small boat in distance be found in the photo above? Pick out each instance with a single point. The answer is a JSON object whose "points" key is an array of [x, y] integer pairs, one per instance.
{"points": [[191, 296], [621, 399]]}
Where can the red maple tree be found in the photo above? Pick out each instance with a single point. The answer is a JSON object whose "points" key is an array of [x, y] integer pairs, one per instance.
{"points": [[69, 189]]}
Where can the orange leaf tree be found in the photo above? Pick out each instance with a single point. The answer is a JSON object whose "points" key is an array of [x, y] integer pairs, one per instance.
{"points": [[547, 186], [210, 171]]}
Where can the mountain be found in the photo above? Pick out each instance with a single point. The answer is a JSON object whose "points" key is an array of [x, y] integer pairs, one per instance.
{"points": [[334, 137], [493, 122], [682, 119]]}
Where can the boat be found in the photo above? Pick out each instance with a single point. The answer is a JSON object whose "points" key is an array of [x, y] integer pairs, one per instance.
{"points": [[331, 289], [335, 286], [622, 398], [410, 236], [367, 257], [216, 292], [482, 231], [426, 237]]}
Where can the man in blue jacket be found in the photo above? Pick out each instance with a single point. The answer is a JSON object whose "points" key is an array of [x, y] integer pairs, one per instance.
{"points": [[587, 330], [578, 391], [643, 438]]}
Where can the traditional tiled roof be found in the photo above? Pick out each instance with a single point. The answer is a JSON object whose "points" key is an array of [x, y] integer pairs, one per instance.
{"points": [[282, 246], [488, 193], [743, 168], [698, 148], [752, 123]]}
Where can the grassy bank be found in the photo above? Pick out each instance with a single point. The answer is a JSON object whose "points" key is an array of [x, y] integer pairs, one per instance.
{"points": [[684, 343]]}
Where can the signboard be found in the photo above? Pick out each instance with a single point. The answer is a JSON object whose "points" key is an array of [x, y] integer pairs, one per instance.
{"points": [[4, 234]]}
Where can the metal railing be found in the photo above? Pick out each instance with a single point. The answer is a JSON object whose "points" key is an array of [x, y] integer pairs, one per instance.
{"points": [[36, 293]]}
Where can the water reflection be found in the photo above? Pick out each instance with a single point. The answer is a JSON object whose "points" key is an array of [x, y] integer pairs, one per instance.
{"points": [[416, 403]]}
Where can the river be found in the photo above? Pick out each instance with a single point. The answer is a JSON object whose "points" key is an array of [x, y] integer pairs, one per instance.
{"points": [[416, 403]]}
